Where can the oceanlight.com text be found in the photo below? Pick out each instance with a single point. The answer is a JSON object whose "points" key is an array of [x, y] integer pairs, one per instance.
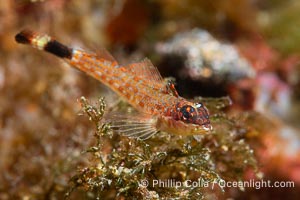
{"points": [[257, 184]]}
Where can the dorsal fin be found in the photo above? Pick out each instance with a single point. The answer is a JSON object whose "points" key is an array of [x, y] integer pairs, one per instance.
{"points": [[145, 69], [170, 87], [104, 54]]}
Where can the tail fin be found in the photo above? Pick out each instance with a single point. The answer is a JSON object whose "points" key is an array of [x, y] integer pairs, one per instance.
{"points": [[44, 42]]}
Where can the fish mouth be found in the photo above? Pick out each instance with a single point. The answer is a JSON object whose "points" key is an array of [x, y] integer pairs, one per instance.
{"points": [[202, 129], [207, 127]]}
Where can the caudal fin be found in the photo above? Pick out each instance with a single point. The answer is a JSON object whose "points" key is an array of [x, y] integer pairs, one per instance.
{"points": [[44, 42]]}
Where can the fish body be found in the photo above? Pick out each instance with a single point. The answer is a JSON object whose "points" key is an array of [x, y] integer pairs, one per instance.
{"points": [[140, 84]]}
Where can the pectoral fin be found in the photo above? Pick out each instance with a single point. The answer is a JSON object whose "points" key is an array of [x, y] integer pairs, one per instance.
{"points": [[136, 126]]}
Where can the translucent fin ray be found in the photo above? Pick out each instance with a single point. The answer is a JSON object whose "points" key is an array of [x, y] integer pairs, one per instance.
{"points": [[135, 126], [145, 69], [102, 53]]}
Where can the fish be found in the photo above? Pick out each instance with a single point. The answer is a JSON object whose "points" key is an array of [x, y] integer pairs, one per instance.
{"points": [[159, 106]]}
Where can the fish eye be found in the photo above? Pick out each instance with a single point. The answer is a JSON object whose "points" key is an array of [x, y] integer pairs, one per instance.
{"points": [[187, 113]]}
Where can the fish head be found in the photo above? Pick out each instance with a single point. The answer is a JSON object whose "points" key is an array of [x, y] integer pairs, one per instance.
{"points": [[192, 113], [187, 118]]}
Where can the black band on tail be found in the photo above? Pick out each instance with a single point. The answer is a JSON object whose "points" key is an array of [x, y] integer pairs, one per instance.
{"points": [[53, 46], [24, 37], [58, 49]]}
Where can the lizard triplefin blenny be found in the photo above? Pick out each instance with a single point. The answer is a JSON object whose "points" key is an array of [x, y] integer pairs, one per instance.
{"points": [[140, 84]]}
